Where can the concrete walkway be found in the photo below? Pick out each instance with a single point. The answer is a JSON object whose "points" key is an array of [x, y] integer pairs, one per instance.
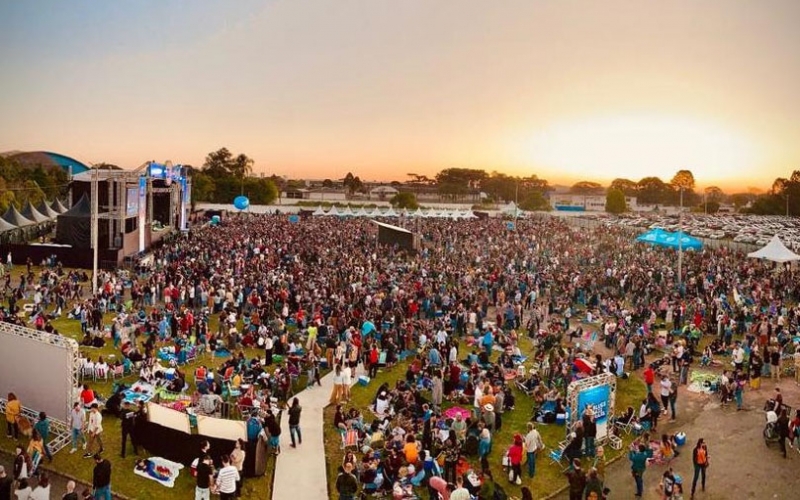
{"points": [[301, 473]]}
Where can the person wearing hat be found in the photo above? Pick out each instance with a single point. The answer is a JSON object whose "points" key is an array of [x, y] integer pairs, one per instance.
{"points": [[488, 416], [515, 460]]}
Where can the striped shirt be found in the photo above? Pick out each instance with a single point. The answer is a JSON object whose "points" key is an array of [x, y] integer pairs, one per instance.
{"points": [[226, 479]]}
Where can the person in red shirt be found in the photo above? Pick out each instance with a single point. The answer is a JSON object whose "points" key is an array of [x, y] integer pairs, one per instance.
{"points": [[515, 458], [87, 396], [649, 377]]}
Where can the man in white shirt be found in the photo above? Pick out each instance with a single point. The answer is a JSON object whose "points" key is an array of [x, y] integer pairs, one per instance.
{"points": [[95, 430], [77, 419], [533, 443], [226, 479], [460, 493], [738, 356]]}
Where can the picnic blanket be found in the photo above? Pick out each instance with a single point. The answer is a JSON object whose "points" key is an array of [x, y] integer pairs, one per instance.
{"points": [[158, 469], [139, 391], [700, 381], [457, 410]]}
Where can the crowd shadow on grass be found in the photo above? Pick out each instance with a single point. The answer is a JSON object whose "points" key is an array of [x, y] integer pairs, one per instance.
{"points": [[549, 477]]}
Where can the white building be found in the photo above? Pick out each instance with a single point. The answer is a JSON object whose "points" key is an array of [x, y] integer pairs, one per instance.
{"points": [[568, 202]]}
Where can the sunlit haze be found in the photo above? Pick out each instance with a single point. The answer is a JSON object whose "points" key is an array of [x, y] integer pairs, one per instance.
{"points": [[567, 90]]}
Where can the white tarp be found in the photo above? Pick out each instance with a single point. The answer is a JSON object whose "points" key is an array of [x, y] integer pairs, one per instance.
{"points": [[169, 418], [775, 251], [221, 428]]}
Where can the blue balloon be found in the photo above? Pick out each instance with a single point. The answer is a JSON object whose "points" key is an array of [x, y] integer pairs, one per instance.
{"points": [[241, 202]]}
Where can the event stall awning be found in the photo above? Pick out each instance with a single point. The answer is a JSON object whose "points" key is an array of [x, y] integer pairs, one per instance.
{"points": [[775, 251]]}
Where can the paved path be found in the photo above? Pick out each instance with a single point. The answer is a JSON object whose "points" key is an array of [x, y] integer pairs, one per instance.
{"points": [[301, 473]]}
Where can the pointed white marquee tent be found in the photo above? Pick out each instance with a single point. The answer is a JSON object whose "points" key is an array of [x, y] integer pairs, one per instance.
{"points": [[775, 251]]}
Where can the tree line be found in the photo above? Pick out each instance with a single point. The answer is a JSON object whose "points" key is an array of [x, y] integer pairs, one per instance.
{"points": [[225, 175]]}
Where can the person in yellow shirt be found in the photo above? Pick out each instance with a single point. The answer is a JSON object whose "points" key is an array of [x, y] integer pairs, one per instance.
{"points": [[13, 411], [36, 445]]}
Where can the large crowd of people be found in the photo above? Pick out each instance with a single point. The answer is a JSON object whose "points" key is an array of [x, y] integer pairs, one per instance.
{"points": [[480, 315]]}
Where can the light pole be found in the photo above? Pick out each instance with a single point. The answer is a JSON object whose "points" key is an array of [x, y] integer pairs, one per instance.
{"points": [[94, 222], [680, 243]]}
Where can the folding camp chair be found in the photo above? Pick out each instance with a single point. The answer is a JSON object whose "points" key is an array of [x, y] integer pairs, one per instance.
{"points": [[557, 458], [350, 439]]}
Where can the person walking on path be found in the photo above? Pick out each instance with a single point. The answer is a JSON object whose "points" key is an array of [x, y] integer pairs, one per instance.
{"points": [[77, 419], [338, 380], [533, 444], [101, 478], [346, 483], [700, 461], [638, 465], [294, 422], [649, 376]]}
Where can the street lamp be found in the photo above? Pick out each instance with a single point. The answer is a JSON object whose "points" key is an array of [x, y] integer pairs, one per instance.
{"points": [[680, 243]]}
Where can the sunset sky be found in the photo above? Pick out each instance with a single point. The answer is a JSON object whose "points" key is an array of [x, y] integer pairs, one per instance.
{"points": [[567, 90]]}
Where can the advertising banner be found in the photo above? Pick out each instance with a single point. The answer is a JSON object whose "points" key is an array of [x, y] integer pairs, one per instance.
{"points": [[598, 399]]}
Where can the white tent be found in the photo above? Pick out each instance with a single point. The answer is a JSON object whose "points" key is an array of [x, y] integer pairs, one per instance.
{"points": [[333, 210], [361, 212], [775, 251], [347, 212], [390, 213], [468, 215], [418, 213], [319, 211], [376, 212], [432, 213]]}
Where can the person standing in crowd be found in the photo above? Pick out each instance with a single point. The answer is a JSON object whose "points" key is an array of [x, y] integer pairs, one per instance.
{"points": [[42, 426], [237, 460], [638, 459], [533, 444], [294, 422], [23, 491], [673, 398], [5, 484], [101, 478], [95, 430], [13, 411], [700, 461], [77, 420], [649, 376], [226, 479], [515, 458], [128, 427], [22, 463], [589, 432], [70, 494], [347, 484], [782, 429], [460, 493], [42, 490], [336, 394], [204, 479], [577, 480]]}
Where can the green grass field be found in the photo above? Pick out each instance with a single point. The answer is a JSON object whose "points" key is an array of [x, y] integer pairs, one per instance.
{"points": [[124, 481], [549, 477]]}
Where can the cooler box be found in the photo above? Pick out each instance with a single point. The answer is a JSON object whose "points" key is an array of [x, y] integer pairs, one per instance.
{"points": [[363, 380], [169, 374], [680, 438]]}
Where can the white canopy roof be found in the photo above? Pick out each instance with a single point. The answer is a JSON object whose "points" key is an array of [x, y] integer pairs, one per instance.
{"points": [[319, 211], [347, 212], [361, 212], [775, 251], [390, 213], [333, 210]]}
